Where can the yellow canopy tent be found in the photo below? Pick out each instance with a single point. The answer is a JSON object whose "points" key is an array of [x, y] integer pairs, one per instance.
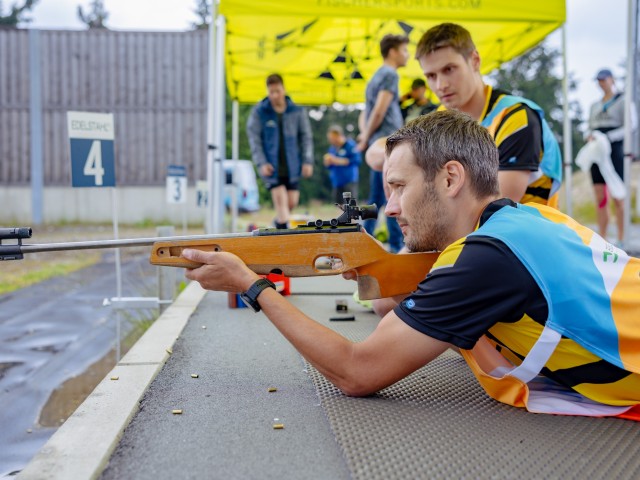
{"points": [[326, 50]]}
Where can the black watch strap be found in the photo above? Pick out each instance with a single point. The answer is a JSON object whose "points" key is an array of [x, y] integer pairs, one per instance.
{"points": [[250, 297]]}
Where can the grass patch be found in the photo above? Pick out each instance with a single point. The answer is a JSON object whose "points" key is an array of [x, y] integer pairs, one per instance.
{"points": [[19, 278]]}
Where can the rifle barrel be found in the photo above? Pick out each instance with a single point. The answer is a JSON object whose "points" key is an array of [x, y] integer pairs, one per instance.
{"points": [[122, 243]]}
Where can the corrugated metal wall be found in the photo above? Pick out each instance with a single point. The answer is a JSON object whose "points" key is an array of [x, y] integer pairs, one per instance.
{"points": [[155, 84]]}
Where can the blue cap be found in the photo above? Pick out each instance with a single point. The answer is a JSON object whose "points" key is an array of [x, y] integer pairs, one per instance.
{"points": [[604, 73]]}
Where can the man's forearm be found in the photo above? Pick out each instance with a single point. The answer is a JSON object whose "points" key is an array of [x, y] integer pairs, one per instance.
{"points": [[374, 122]]}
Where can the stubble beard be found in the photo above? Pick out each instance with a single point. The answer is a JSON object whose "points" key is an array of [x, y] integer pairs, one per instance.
{"points": [[428, 234]]}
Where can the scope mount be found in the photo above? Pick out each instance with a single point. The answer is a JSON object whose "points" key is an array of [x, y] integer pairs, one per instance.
{"points": [[350, 211]]}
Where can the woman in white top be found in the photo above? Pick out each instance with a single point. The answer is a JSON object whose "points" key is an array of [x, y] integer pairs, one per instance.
{"points": [[607, 116]]}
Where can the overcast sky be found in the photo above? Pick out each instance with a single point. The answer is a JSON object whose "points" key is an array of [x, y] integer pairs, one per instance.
{"points": [[596, 30]]}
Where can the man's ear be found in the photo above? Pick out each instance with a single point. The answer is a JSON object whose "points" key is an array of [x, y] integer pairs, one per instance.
{"points": [[455, 177], [474, 61]]}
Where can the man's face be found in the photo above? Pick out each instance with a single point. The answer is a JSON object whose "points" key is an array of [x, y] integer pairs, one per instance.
{"points": [[415, 203], [276, 94], [450, 76], [400, 55]]}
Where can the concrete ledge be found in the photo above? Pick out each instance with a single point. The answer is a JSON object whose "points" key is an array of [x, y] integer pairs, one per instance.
{"points": [[82, 446]]}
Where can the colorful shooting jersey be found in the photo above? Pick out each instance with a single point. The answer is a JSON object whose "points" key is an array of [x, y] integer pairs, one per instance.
{"points": [[524, 141], [549, 314]]}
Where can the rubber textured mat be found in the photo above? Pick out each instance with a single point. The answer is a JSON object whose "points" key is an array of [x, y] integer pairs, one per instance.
{"points": [[438, 423]]}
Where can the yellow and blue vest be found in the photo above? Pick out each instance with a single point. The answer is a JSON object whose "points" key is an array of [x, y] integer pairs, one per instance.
{"points": [[593, 293], [551, 161]]}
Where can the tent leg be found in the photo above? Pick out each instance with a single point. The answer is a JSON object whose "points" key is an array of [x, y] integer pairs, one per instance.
{"points": [[234, 155], [566, 129], [629, 103], [211, 122]]}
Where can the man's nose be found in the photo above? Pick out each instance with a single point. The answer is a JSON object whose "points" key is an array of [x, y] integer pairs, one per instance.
{"points": [[442, 84], [392, 209]]}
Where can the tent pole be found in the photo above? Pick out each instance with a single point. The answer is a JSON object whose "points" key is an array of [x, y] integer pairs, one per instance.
{"points": [[211, 146], [566, 128], [628, 105], [234, 155], [220, 131]]}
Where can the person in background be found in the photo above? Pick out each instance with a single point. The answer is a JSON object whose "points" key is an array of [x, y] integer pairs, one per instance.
{"points": [[382, 117], [530, 160], [343, 161], [607, 116], [414, 103], [281, 146]]}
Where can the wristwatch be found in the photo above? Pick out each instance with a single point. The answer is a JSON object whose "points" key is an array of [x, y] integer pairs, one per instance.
{"points": [[250, 297]]}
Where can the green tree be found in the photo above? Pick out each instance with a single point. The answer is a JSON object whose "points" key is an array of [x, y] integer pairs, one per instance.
{"points": [[96, 16], [531, 75], [203, 12], [16, 14]]}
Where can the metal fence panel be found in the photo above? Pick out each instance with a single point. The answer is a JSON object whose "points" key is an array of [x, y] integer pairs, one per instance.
{"points": [[153, 82]]}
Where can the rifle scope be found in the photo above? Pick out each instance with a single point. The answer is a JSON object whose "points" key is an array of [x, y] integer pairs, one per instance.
{"points": [[15, 232]]}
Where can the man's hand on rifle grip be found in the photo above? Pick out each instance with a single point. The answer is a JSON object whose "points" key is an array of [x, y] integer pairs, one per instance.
{"points": [[221, 271]]}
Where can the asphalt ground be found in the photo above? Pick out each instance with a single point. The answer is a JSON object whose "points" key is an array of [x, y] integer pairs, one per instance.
{"points": [[51, 332], [226, 429]]}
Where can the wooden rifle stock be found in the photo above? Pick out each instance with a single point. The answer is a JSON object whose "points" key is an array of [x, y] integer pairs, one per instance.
{"points": [[380, 274]]}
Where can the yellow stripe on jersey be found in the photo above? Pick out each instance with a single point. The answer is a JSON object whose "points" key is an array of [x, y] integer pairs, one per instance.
{"points": [[517, 121], [450, 255], [538, 191], [519, 337]]}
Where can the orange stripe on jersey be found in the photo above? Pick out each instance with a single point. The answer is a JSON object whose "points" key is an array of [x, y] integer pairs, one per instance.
{"points": [[626, 315]]}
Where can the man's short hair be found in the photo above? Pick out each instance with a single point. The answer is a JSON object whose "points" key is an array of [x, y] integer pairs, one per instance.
{"points": [[446, 35], [443, 136], [418, 83], [390, 41], [275, 79], [336, 129]]}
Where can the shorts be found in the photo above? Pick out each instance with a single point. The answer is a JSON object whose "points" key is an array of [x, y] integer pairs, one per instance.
{"points": [[617, 158], [286, 182]]}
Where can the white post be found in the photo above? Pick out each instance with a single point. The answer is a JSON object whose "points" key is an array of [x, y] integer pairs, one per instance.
{"points": [[628, 105], [566, 129], [235, 154], [219, 135], [211, 123], [114, 197], [184, 217]]}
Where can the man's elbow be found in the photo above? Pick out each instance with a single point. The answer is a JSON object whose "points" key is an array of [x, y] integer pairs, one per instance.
{"points": [[355, 388], [354, 375], [354, 381]]}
